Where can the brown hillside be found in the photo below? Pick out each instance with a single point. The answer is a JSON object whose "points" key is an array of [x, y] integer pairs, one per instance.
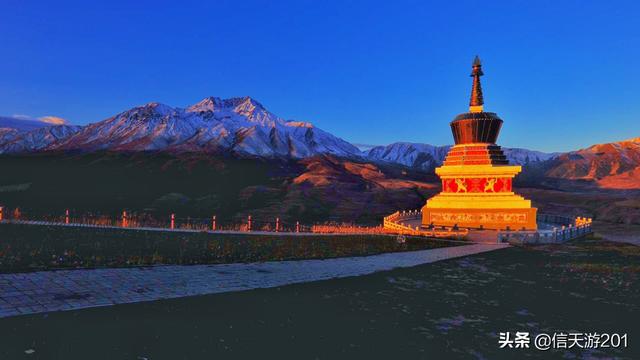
{"points": [[611, 166]]}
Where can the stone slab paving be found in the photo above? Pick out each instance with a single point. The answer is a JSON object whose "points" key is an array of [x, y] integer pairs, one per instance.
{"points": [[45, 291]]}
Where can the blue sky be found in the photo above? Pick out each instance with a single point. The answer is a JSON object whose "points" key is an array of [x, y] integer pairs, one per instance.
{"points": [[562, 74]]}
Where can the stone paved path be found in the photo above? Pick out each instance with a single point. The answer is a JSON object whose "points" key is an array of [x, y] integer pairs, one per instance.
{"points": [[37, 292]]}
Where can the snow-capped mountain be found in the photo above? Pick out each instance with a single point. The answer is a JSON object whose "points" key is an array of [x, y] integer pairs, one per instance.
{"points": [[520, 156], [238, 125], [426, 157], [20, 141], [415, 155]]}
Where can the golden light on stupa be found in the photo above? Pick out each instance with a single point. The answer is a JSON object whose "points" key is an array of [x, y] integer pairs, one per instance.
{"points": [[477, 180]]}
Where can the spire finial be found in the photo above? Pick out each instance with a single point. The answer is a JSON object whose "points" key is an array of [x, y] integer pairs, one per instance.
{"points": [[476, 61], [475, 105]]}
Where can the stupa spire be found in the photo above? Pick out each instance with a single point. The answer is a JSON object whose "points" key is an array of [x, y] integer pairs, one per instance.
{"points": [[475, 105]]}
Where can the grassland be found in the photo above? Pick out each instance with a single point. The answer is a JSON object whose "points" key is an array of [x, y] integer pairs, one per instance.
{"points": [[29, 247], [452, 309]]}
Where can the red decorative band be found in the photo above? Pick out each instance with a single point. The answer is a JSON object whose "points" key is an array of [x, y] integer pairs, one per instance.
{"points": [[477, 185]]}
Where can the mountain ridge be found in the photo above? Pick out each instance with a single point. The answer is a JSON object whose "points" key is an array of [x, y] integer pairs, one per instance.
{"points": [[242, 126], [238, 125]]}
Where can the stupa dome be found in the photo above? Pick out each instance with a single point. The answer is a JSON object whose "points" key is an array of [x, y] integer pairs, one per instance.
{"points": [[476, 127]]}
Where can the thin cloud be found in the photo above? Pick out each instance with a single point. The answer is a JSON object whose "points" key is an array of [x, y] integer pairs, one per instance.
{"points": [[22, 117], [55, 120], [49, 119]]}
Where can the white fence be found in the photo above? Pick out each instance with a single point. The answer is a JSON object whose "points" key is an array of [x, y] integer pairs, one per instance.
{"points": [[409, 223], [567, 229]]}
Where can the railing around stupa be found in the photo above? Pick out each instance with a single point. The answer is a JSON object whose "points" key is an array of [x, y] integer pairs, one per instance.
{"points": [[553, 228], [393, 224], [173, 223], [408, 223], [562, 228]]}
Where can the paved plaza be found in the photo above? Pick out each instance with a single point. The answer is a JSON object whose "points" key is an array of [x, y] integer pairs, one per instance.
{"points": [[45, 291]]}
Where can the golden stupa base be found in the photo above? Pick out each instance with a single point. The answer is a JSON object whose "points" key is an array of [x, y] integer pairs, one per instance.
{"points": [[479, 196], [476, 218]]}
